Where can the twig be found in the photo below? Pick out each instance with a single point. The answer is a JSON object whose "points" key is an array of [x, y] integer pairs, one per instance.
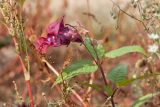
{"points": [[90, 82], [129, 14], [112, 100], [88, 92], [57, 74], [98, 62], [17, 93]]}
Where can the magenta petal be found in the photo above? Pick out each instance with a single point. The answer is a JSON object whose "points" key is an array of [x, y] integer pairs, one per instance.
{"points": [[58, 34], [73, 35], [41, 45], [54, 27]]}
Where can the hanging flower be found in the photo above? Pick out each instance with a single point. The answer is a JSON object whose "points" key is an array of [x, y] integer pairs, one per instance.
{"points": [[57, 34]]}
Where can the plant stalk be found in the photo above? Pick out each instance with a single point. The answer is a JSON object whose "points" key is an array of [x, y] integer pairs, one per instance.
{"points": [[26, 75]]}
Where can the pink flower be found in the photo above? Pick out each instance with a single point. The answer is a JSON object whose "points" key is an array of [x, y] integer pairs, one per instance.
{"points": [[58, 34]]}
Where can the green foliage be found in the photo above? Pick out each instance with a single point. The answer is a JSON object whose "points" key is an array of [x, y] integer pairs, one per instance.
{"points": [[118, 74], [142, 100], [77, 68], [129, 81], [90, 48], [125, 50], [100, 50], [93, 86], [94, 50], [98, 88], [109, 90]]}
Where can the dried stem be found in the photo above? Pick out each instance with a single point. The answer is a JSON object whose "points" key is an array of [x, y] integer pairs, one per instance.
{"points": [[57, 74], [129, 14], [90, 82]]}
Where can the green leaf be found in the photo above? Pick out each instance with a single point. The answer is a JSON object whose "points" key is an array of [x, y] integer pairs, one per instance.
{"points": [[129, 81], [90, 48], [93, 86], [98, 88], [125, 50], [109, 90], [99, 49], [118, 74], [77, 68], [143, 99], [126, 82]]}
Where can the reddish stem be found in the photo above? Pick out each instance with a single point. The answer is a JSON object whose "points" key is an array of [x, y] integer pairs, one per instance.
{"points": [[30, 93], [27, 78]]}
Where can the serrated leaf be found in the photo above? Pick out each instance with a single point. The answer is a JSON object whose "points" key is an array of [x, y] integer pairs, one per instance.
{"points": [[100, 51], [75, 69], [125, 50], [118, 74], [143, 99]]}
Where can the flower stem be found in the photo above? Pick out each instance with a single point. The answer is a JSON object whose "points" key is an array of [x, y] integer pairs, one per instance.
{"points": [[97, 60], [30, 93], [26, 75], [103, 75]]}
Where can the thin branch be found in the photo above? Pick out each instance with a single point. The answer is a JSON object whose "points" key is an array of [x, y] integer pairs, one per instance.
{"points": [[112, 100], [88, 92], [98, 62], [129, 14]]}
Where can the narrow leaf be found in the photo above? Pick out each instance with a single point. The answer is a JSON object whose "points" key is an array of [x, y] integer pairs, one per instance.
{"points": [[93, 86], [125, 50], [129, 81], [143, 99], [77, 68], [90, 48]]}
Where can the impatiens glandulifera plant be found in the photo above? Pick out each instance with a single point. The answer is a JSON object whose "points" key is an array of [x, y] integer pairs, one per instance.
{"points": [[60, 34]]}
